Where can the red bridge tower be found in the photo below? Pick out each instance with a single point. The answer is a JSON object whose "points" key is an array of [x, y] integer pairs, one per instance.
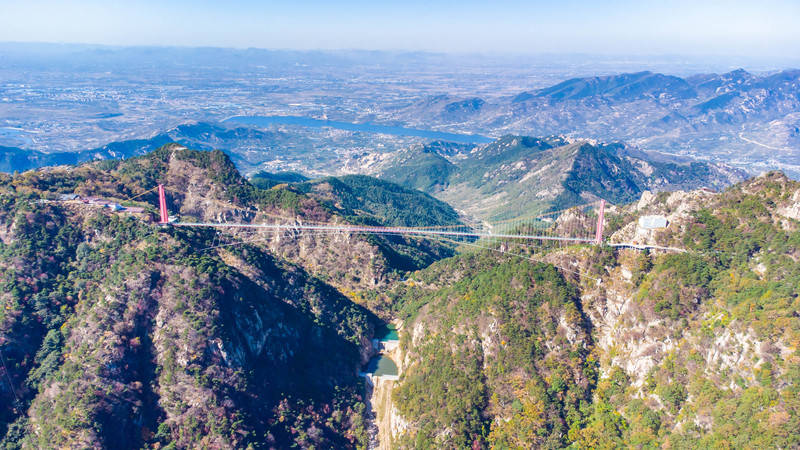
{"points": [[162, 205], [598, 237]]}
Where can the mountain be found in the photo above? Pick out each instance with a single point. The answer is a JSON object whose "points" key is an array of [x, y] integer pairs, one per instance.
{"points": [[516, 174], [714, 84], [738, 118], [118, 333], [388, 204], [488, 333], [426, 167], [17, 159], [625, 87], [203, 136], [266, 180], [518, 346], [365, 200]]}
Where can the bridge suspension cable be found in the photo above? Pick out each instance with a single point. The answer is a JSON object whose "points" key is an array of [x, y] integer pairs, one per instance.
{"points": [[573, 225]]}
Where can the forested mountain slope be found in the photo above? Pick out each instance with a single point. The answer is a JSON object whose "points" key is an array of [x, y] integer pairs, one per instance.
{"points": [[517, 175], [202, 136], [619, 347], [118, 333]]}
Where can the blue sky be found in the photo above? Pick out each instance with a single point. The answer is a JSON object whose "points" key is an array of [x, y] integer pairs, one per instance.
{"points": [[732, 27]]}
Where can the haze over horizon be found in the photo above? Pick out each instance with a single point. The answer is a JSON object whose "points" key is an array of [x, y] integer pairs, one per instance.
{"points": [[765, 30]]}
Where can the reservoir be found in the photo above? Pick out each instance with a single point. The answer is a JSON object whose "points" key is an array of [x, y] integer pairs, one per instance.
{"points": [[387, 333], [264, 121], [381, 365]]}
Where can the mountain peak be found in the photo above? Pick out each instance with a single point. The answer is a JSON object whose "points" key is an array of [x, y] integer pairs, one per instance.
{"points": [[515, 175], [625, 86]]}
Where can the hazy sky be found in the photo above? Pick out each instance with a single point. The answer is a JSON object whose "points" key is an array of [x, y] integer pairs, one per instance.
{"points": [[730, 27]]}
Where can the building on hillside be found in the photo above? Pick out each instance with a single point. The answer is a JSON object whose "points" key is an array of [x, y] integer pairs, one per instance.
{"points": [[653, 222]]}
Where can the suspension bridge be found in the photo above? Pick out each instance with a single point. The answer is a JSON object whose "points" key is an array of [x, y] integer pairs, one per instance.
{"points": [[576, 225]]}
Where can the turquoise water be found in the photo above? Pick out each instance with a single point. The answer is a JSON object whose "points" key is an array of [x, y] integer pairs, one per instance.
{"points": [[381, 365], [362, 127], [387, 333]]}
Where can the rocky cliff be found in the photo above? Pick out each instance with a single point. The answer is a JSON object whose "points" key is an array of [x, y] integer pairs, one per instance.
{"points": [[691, 348], [116, 332]]}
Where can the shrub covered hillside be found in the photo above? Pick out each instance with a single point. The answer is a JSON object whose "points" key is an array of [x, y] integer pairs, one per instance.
{"points": [[118, 333], [497, 354], [625, 348], [517, 174], [700, 349]]}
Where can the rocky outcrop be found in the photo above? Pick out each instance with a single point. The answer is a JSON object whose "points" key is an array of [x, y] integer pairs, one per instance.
{"points": [[136, 335]]}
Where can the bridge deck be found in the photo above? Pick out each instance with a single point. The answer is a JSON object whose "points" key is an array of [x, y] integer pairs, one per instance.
{"points": [[382, 230]]}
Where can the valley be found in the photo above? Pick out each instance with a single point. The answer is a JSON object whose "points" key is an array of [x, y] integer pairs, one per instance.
{"points": [[391, 249], [118, 332]]}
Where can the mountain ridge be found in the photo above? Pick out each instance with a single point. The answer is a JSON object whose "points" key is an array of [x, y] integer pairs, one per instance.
{"points": [[119, 332], [626, 347], [519, 174], [738, 118]]}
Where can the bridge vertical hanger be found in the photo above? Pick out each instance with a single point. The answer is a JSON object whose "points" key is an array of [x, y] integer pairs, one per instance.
{"points": [[162, 205], [598, 237]]}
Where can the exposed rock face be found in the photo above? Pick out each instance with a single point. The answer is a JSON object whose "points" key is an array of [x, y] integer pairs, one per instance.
{"points": [[677, 207], [123, 334], [704, 341], [520, 173], [792, 211], [635, 339], [685, 342]]}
